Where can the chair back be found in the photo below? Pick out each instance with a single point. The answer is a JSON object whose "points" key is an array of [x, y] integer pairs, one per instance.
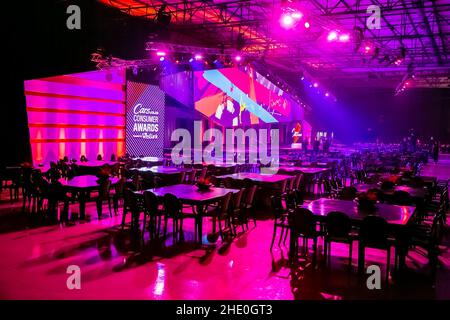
{"points": [[298, 181], [348, 193], [172, 205], [191, 177], [247, 183], [225, 203], [182, 177], [401, 197], [379, 194], [237, 199], [119, 186], [113, 157], [302, 221], [130, 201], [338, 224], [373, 231], [103, 191], [99, 157], [277, 205], [228, 182], [150, 202], [250, 195], [203, 172]]}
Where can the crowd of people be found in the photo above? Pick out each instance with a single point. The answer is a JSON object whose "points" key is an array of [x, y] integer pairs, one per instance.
{"points": [[411, 144]]}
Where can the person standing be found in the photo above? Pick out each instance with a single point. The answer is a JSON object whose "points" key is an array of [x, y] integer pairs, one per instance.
{"points": [[436, 151]]}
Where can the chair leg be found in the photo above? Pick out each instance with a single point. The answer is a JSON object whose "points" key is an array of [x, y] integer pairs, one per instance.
{"points": [[143, 224], [99, 209], [165, 226], [124, 214], [274, 235], [350, 249], [285, 236], [388, 263], [109, 205], [315, 250], [281, 236], [116, 205]]}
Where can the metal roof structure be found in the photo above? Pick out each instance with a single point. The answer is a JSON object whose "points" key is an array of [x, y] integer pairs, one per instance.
{"points": [[411, 41]]}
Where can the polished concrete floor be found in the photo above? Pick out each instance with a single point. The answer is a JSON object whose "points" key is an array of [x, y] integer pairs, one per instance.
{"points": [[34, 257]]}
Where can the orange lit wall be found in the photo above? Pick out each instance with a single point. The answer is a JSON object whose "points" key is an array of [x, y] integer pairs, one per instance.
{"points": [[76, 114]]}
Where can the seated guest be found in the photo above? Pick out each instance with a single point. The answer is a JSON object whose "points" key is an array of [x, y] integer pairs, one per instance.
{"points": [[83, 158]]}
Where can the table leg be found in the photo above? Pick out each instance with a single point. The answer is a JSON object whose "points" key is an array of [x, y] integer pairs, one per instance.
{"points": [[361, 258], [82, 201], [199, 223]]}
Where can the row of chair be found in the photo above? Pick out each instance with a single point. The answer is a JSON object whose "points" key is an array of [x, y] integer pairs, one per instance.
{"points": [[233, 210]]}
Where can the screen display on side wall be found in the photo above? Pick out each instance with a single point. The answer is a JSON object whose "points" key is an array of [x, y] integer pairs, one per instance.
{"points": [[145, 120], [232, 97]]}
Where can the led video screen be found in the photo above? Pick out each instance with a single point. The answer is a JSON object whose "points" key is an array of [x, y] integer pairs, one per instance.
{"points": [[232, 97], [145, 120]]}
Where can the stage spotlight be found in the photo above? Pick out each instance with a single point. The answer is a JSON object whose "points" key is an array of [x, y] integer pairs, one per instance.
{"points": [[344, 37], [198, 57], [191, 59], [327, 94], [160, 53], [238, 58], [297, 15], [302, 78], [162, 59], [315, 84], [332, 36], [287, 21], [307, 25]]}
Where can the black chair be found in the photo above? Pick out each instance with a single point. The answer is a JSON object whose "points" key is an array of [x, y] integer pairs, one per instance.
{"points": [[173, 208], [228, 182], [220, 213], [113, 157], [103, 195], [11, 179], [236, 211], [338, 229], [348, 193], [378, 193], [248, 204], [428, 237], [374, 233], [401, 197], [99, 157], [191, 177], [303, 225], [151, 209], [117, 194], [280, 219], [131, 205]]}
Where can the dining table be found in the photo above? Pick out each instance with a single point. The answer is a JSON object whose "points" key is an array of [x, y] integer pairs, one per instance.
{"points": [[83, 186], [419, 193], [305, 170], [260, 178], [192, 195], [96, 163], [161, 170], [396, 216]]}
